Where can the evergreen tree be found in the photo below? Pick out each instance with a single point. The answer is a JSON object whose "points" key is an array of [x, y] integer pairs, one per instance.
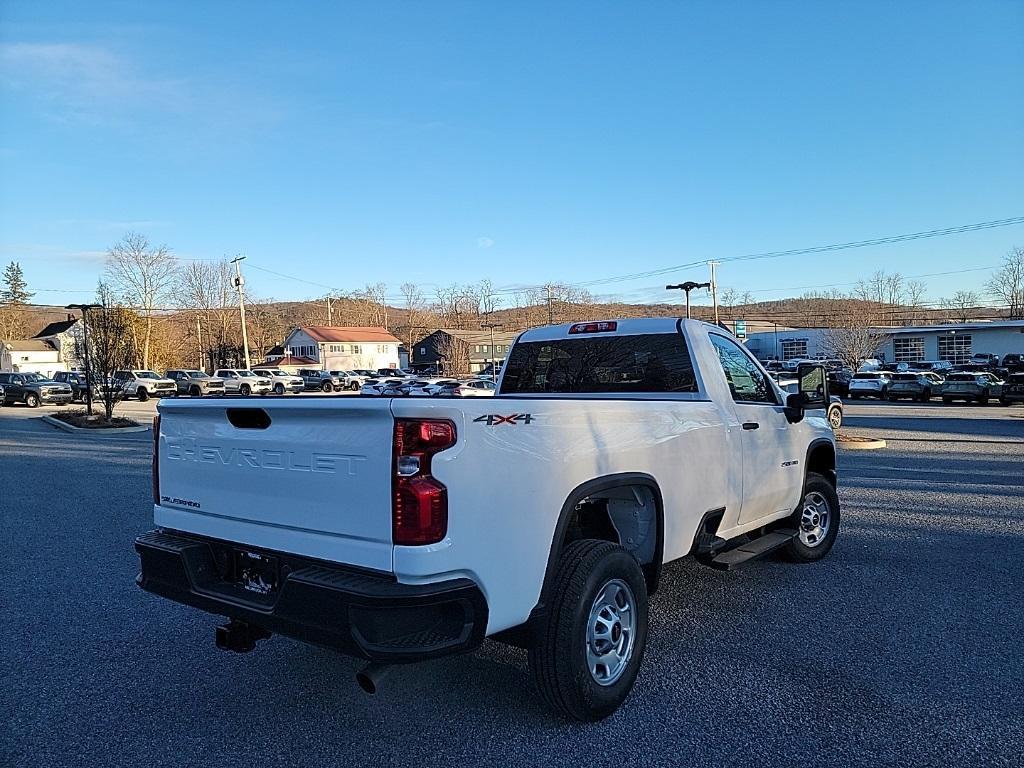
{"points": [[15, 290]]}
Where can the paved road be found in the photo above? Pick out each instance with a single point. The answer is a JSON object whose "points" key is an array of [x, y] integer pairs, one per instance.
{"points": [[905, 647]]}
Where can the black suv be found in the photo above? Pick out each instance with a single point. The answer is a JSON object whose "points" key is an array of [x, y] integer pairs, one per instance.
{"points": [[33, 390], [76, 380]]}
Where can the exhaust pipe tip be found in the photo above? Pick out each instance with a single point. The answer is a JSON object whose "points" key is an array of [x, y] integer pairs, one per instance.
{"points": [[369, 677]]}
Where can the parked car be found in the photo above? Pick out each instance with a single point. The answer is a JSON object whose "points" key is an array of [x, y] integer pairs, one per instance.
{"points": [[144, 384], [985, 358], [870, 384], [432, 387], [839, 379], [420, 558], [322, 380], [349, 379], [940, 367], [238, 381], [915, 386], [195, 383], [77, 381], [1013, 389], [1013, 363], [281, 381], [33, 390], [978, 386], [376, 387], [834, 412], [474, 388]]}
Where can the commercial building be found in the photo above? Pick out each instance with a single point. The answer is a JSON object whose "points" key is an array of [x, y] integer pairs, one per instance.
{"points": [[476, 346], [955, 342]]}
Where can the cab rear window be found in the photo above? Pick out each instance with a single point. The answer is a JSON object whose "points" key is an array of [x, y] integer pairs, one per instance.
{"points": [[657, 362]]}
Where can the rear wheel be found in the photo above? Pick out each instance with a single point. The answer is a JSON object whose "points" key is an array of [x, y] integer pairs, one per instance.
{"points": [[593, 637], [279, 388], [143, 394], [835, 417], [327, 387], [817, 520], [32, 400]]}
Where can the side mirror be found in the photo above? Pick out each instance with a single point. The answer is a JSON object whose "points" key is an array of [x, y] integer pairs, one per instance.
{"points": [[811, 394]]}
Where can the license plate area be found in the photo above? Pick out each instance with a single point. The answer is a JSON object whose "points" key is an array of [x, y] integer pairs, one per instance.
{"points": [[255, 573]]}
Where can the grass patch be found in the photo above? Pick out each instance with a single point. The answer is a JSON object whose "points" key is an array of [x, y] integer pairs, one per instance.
{"points": [[79, 418]]}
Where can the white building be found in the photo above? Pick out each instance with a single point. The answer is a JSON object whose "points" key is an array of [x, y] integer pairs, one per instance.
{"points": [[66, 337], [955, 342], [30, 356], [341, 348]]}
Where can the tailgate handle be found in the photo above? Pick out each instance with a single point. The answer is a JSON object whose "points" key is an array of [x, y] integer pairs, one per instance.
{"points": [[248, 418]]}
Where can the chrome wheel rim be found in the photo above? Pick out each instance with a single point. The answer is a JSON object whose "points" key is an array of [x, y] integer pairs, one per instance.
{"points": [[611, 631], [835, 418], [814, 519]]}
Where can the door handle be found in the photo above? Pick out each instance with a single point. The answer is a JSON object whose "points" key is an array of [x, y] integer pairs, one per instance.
{"points": [[750, 425]]}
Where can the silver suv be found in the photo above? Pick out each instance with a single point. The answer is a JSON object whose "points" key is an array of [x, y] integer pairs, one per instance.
{"points": [[195, 383], [238, 381]]}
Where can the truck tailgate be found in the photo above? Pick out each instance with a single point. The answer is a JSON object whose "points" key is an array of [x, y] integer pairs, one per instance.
{"points": [[309, 475]]}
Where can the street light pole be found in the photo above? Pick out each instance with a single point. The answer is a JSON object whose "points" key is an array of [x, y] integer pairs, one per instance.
{"points": [[688, 286], [492, 326], [85, 341], [239, 282]]}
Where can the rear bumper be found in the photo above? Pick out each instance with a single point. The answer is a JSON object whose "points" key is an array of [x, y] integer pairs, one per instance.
{"points": [[363, 615]]}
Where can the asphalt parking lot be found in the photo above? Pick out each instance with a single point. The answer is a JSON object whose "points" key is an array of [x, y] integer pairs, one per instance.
{"points": [[905, 647]]}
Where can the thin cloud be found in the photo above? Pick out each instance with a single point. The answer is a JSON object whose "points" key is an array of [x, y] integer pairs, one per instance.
{"points": [[484, 242], [85, 82]]}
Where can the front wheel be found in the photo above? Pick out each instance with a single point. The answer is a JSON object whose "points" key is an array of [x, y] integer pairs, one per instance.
{"points": [[592, 641], [835, 418], [327, 387], [279, 389], [817, 521], [983, 400], [143, 394], [32, 400], [245, 390], [195, 392]]}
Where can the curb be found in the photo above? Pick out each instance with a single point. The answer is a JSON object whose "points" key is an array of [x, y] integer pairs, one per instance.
{"points": [[860, 444], [108, 432]]}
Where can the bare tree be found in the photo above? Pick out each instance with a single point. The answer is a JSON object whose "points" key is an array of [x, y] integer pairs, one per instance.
{"points": [[853, 342], [143, 275], [1007, 283], [960, 305], [454, 356], [415, 313], [914, 298], [111, 345]]}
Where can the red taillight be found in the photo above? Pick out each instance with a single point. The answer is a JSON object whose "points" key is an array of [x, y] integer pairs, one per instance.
{"points": [[419, 506], [156, 459], [594, 327]]}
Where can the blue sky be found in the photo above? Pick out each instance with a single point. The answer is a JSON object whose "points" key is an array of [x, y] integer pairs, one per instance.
{"points": [[347, 143]]}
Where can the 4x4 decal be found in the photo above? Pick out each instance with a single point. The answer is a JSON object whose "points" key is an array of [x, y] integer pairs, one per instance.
{"points": [[493, 419]]}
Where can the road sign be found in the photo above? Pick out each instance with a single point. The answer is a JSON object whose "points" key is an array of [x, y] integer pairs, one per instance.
{"points": [[741, 329]]}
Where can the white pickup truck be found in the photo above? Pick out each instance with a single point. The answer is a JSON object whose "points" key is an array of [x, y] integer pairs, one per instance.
{"points": [[396, 530]]}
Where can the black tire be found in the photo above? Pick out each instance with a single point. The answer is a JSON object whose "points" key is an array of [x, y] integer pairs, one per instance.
{"points": [[947, 401], [245, 390], [327, 387], [354, 386], [558, 659], [1003, 401], [983, 400], [32, 400], [884, 395], [803, 548], [195, 391], [142, 393], [279, 388]]}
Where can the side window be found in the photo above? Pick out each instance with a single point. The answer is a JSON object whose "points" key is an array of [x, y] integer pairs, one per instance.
{"points": [[747, 382]]}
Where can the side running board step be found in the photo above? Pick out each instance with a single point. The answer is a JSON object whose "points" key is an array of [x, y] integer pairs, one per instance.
{"points": [[752, 550]]}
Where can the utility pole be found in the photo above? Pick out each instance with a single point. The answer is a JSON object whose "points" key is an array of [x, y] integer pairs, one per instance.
{"points": [[551, 314], [714, 288], [199, 341], [239, 282], [330, 316], [688, 286], [85, 341], [492, 326]]}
